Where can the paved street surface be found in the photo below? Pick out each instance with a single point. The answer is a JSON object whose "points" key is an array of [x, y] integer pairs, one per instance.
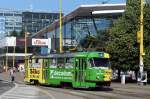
{"points": [[25, 92], [117, 91], [22, 91], [129, 91], [5, 86]]}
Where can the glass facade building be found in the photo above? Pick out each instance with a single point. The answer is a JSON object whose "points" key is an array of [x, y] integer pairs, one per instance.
{"points": [[2, 26], [35, 21], [16, 20], [10, 20], [82, 21], [78, 28]]}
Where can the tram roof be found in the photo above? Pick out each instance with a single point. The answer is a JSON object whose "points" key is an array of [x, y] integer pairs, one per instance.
{"points": [[69, 55], [55, 55], [97, 10]]}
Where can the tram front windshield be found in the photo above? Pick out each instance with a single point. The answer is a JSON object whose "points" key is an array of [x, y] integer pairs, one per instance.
{"points": [[99, 62]]}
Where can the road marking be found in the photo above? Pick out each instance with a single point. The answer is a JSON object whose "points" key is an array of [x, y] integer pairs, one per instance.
{"points": [[25, 92], [8, 91], [44, 91], [77, 93]]}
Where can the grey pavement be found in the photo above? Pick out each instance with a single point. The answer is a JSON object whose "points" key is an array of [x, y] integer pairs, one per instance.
{"points": [[5, 86], [118, 91], [19, 77], [19, 90], [25, 92]]}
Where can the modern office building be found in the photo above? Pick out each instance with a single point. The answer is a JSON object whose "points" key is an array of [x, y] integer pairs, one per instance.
{"points": [[2, 25], [86, 19], [16, 20], [10, 20], [35, 21]]}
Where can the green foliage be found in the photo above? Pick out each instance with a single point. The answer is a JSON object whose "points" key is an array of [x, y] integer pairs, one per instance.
{"points": [[88, 42], [14, 33], [22, 33], [122, 42], [18, 34], [122, 38], [147, 36], [97, 42], [101, 38]]}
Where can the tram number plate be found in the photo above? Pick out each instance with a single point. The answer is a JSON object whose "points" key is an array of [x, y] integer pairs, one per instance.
{"points": [[34, 71], [34, 76]]}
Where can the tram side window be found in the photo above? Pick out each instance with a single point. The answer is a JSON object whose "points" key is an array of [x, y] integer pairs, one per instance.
{"points": [[53, 63], [36, 60], [60, 62], [84, 63], [36, 63], [30, 60], [30, 63], [46, 62], [76, 62], [68, 63]]}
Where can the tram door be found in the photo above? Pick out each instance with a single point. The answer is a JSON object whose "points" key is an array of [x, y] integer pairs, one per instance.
{"points": [[80, 66], [46, 69], [27, 63]]}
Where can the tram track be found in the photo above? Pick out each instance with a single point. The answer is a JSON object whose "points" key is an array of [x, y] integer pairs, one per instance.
{"points": [[119, 94], [47, 90], [130, 93], [115, 94], [104, 93], [76, 93]]}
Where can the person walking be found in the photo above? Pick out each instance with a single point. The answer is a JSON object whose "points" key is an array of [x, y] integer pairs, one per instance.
{"points": [[12, 74]]}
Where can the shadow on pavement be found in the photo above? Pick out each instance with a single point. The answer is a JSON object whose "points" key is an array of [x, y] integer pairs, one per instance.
{"points": [[95, 89], [84, 89]]}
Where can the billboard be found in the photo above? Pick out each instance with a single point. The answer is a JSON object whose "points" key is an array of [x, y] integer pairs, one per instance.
{"points": [[41, 42], [11, 41], [8, 41]]}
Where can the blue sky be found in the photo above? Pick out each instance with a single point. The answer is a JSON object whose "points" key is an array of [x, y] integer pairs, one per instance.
{"points": [[50, 5]]}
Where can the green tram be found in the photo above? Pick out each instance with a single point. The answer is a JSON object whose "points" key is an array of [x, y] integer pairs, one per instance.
{"points": [[79, 70]]}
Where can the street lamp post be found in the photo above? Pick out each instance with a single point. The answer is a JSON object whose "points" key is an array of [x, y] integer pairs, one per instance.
{"points": [[140, 41], [6, 67], [6, 43], [26, 47], [60, 25], [25, 51], [14, 50], [25, 43]]}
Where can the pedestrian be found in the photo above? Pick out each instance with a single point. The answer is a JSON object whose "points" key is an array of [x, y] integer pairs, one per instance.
{"points": [[12, 74]]}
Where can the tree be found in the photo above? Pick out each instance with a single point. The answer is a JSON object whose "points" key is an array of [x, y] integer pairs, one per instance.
{"points": [[22, 33], [87, 42], [122, 42], [14, 33], [97, 42], [101, 40], [147, 35], [122, 38]]}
